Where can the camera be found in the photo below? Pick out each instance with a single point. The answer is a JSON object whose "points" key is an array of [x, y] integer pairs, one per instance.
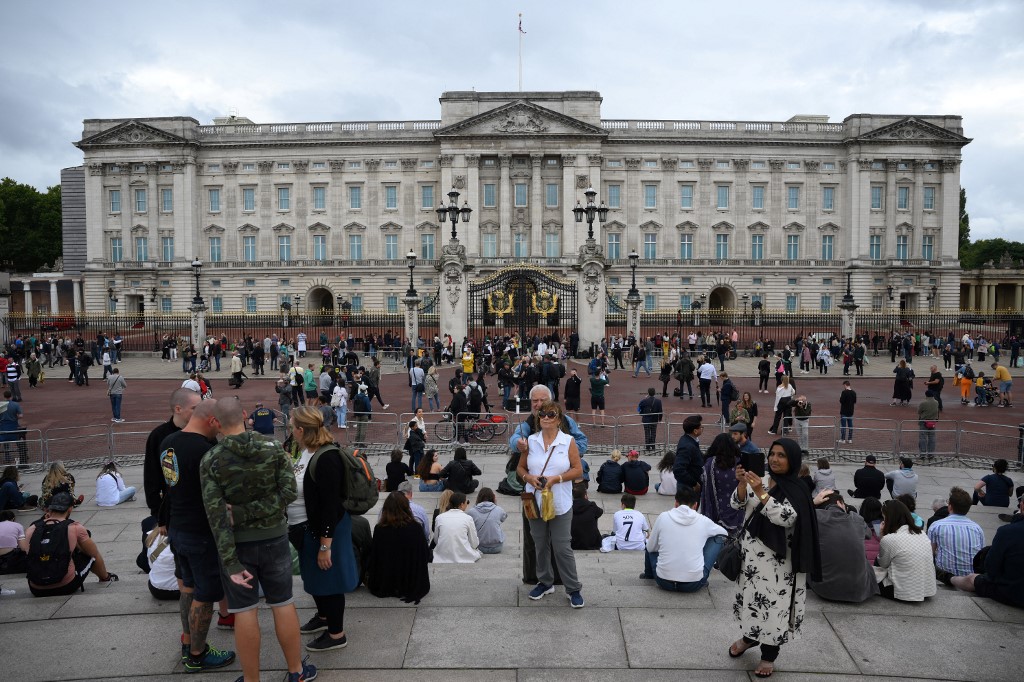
{"points": [[542, 482]]}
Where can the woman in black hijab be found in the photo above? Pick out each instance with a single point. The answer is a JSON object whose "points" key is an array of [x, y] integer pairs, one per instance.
{"points": [[780, 547]]}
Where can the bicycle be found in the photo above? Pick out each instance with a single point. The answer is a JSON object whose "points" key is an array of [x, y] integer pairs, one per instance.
{"points": [[483, 429]]}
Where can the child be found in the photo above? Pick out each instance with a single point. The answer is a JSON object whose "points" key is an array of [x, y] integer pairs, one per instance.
{"points": [[629, 528], [396, 470], [979, 390]]}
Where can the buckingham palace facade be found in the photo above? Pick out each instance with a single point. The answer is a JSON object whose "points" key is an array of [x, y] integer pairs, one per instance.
{"points": [[718, 211]]}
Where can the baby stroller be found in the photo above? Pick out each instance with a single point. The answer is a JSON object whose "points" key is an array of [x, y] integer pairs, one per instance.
{"points": [[204, 363]]}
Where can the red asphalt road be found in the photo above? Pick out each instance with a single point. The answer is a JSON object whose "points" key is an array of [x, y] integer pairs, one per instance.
{"points": [[58, 403]]}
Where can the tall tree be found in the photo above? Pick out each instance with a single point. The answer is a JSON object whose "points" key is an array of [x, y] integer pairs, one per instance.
{"points": [[30, 226]]}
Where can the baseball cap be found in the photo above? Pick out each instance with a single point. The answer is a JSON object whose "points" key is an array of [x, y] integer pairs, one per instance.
{"points": [[738, 427], [633, 453], [870, 458], [60, 502]]}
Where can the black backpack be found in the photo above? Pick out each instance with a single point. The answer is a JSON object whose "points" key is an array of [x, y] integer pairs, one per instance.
{"points": [[49, 553]]}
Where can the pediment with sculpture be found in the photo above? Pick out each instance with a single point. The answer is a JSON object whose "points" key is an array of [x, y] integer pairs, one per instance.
{"points": [[518, 119]]}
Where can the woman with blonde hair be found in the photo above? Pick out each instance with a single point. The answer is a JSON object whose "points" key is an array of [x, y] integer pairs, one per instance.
{"points": [[443, 504], [321, 530], [56, 479]]}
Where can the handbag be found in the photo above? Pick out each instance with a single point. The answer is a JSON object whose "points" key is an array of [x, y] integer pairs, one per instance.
{"points": [[930, 424], [530, 510], [730, 559]]}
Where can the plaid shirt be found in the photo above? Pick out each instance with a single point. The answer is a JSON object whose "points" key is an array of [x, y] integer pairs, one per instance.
{"points": [[958, 539]]}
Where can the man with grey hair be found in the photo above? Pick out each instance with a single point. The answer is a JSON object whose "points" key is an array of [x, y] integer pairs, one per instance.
{"points": [[540, 394], [418, 512]]}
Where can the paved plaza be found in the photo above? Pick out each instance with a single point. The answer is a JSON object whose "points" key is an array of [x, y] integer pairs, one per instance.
{"points": [[477, 623]]}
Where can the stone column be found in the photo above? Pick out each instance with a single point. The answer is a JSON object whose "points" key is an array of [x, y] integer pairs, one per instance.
{"points": [[454, 300], [27, 285], [570, 196], [1018, 297], [591, 303], [536, 208], [5, 310], [917, 208], [633, 306], [849, 318], [412, 318], [890, 210], [992, 296], [473, 195], [504, 208], [594, 165], [776, 204], [76, 291], [984, 297], [198, 323], [54, 301]]}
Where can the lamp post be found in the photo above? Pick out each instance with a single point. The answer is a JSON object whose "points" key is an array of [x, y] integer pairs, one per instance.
{"points": [[197, 268], [849, 308], [452, 212], [410, 258], [745, 298], [590, 211], [198, 307], [634, 257]]}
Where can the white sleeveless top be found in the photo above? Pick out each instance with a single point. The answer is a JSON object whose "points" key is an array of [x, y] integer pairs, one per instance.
{"points": [[559, 464]]}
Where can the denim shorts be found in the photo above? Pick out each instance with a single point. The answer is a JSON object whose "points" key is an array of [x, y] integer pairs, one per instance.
{"points": [[1005, 386], [270, 563], [196, 557]]}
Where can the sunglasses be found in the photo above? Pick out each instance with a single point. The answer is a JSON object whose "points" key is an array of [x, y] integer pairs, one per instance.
{"points": [[548, 415]]}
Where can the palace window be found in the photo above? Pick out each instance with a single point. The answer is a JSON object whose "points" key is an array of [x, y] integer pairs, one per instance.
{"points": [[828, 198], [827, 241], [650, 246], [686, 196], [757, 197], [215, 252], [249, 249], [427, 246], [319, 198], [686, 246], [757, 247], [721, 246], [614, 246], [248, 199], [614, 196], [115, 201], [319, 247]]}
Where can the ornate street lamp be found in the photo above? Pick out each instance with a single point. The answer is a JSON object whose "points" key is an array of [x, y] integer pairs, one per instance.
{"points": [[197, 268], [634, 257], [452, 212], [591, 210], [410, 258], [152, 295], [745, 298]]}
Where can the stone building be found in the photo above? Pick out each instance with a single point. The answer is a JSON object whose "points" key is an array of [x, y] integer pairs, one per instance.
{"points": [[720, 212]]}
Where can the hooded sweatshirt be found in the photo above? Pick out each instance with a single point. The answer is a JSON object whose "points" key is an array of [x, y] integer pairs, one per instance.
{"points": [[488, 518], [904, 482], [678, 537], [254, 475]]}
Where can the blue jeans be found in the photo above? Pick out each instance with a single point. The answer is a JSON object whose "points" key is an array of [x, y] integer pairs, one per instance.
{"points": [[417, 399], [431, 487], [493, 549], [641, 366], [115, 405], [711, 550], [434, 402], [845, 428], [340, 414]]}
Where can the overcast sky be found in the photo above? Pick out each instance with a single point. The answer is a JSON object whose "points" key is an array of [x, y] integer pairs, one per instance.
{"points": [[64, 61]]}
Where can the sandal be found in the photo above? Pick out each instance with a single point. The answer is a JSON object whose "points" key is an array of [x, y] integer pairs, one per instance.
{"points": [[742, 651], [760, 672]]}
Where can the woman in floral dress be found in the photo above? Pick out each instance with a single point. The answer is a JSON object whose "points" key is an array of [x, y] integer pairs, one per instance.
{"points": [[780, 547]]}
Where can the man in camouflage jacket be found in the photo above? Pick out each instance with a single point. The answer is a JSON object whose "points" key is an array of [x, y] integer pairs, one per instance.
{"points": [[248, 482]]}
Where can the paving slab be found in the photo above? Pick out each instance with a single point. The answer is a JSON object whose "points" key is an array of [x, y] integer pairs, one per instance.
{"points": [[998, 612], [22, 607], [484, 593], [511, 637], [950, 605], [621, 596], [653, 641], [634, 675], [106, 602], [965, 650]]}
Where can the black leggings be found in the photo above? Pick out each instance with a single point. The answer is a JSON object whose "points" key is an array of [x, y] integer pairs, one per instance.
{"points": [[762, 382], [768, 652], [163, 595], [332, 606]]}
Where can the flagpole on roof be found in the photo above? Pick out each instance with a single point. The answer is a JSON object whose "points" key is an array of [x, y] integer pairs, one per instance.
{"points": [[521, 34]]}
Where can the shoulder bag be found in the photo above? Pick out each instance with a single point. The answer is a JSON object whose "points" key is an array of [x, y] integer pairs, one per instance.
{"points": [[530, 510], [730, 559]]}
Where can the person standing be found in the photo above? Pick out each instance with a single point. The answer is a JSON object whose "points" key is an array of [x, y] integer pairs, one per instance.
{"points": [[689, 463], [598, 383], [571, 394], [651, 413], [1002, 375], [935, 383], [847, 403], [116, 386], [246, 471], [236, 369], [801, 419], [552, 463], [707, 373], [191, 538], [729, 394], [14, 378], [416, 383], [927, 420], [183, 402], [781, 549]]}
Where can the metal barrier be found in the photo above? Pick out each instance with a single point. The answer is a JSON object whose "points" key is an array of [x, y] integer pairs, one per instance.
{"points": [[128, 439], [878, 437], [925, 444], [674, 425], [25, 448], [988, 442], [77, 442]]}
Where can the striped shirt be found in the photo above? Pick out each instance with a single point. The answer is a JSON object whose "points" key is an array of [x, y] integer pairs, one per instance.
{"points": [[957, 539]]}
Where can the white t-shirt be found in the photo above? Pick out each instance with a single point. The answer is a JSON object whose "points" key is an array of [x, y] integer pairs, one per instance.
{"points": [[297, 509], [559, 464], [668, 483], [161, 569], [629, 526]]}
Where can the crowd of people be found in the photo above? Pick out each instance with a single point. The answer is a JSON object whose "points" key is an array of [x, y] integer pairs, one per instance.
{"points": [[230, 506]]}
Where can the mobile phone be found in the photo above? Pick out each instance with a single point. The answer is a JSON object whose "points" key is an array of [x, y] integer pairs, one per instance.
{"points": [[752, 461]]}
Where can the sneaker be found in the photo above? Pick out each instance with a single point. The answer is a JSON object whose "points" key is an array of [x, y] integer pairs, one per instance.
{"points": [[575, 599], [1008, 518], [773, 432], [386, 406], [213, 658], [308, 673], [314, 625], [849, 491], [184, 649], [326, 643], [539, 592], [226, 622], [644, 576]]}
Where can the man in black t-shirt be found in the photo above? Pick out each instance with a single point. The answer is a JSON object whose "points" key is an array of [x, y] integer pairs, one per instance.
{"points": [[192, 540], [183, 401], [935, 383]]}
